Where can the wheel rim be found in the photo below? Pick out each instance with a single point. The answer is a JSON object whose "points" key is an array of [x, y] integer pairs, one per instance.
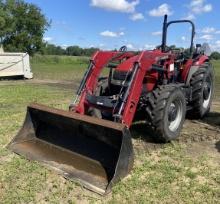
{"points": [[175, 115], [207, 92]]}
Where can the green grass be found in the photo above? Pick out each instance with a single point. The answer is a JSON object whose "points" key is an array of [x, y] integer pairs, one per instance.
{"points": [[216, 64], [172, 178], [67, 72], [59, 68], [166, 175], [20, 180], [54, 59]]}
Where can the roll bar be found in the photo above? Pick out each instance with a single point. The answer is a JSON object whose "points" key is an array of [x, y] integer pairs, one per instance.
{"points": [[165, 27]]}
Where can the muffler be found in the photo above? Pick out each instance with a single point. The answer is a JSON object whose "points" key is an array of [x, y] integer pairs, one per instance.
{"points": [[95, 152]]}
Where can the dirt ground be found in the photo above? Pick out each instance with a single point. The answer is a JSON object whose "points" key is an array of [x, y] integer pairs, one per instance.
{"points": [[53, 83]]}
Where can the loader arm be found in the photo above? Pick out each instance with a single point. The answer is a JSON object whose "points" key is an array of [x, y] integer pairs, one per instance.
{"points": [[142, 66], [89, 82], [98, 61]]}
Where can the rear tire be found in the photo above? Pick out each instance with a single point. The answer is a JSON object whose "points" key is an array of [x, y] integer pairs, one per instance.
{"points": [[166, 109], [202, 91]]}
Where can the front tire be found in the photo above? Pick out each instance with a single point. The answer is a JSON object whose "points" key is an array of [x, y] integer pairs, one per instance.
{"points": [[166, 109]]}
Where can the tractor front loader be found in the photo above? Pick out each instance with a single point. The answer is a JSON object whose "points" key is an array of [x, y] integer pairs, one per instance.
{"points": [[91, 143]]}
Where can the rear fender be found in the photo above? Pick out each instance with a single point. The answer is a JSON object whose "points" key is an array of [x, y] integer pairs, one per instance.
{"points": [[192, 70], [202, 59]]}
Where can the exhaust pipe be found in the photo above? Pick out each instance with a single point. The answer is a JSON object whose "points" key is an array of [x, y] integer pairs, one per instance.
{"points": [[95, 152]]}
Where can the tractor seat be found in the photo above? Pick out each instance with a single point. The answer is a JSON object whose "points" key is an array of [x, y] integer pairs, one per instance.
{"points": [[119, 77], [102, 101]]}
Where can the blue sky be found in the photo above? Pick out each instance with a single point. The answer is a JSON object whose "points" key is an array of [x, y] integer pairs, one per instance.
{"points": [[109, 24]]}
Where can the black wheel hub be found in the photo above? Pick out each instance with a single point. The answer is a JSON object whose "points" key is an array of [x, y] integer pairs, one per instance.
{"points": [[172, 113]]}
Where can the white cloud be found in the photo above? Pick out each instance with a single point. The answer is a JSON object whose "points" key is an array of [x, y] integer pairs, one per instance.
{"points": [[208, 30], [130, 46], [149, 46], [206, 37], [47, 39], [197, 7], [183, 38], [161, 11], [101, 45], [196, 2], [137, 16], [189, 17], [64, 46], [207, 8], [108, 33], [216, 46], [200, 6], [116, 5], [156, 33]]}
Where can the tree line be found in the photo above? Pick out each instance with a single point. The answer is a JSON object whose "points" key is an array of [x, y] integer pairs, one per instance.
{"points": [[215, 56], [51, 49]]}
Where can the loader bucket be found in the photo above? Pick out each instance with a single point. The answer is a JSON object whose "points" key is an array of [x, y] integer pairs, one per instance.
{"points": [[95, 152]]}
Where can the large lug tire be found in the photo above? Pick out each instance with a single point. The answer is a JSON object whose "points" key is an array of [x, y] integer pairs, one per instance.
{"points": [[202, 85], [166, 109]]}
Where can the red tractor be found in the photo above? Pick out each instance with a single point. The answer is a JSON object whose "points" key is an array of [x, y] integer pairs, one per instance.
{"points": [[158, 86], [162, 85]]}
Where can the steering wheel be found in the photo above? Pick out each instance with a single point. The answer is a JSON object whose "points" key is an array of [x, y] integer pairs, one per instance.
{"points": [[123, 49]]}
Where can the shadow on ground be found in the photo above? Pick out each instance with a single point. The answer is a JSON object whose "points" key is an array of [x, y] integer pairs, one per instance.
{"points": [[217, 145], [213, 118], [140, 130], [143, 139]]}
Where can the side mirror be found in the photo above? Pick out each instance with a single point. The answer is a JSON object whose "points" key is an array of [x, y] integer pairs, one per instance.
{"points": [[198, 45], [198, 49]]}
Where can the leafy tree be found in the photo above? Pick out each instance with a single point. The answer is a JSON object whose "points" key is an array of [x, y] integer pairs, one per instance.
{"points": [[215, 56], [78, 51], [6, 22], [23, 26], [51, 49], [90, 51], [74, 50]]}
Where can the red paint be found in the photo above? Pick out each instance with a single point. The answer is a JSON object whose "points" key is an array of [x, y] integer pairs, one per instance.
{"points": [[201, 60], [186, 68]]}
